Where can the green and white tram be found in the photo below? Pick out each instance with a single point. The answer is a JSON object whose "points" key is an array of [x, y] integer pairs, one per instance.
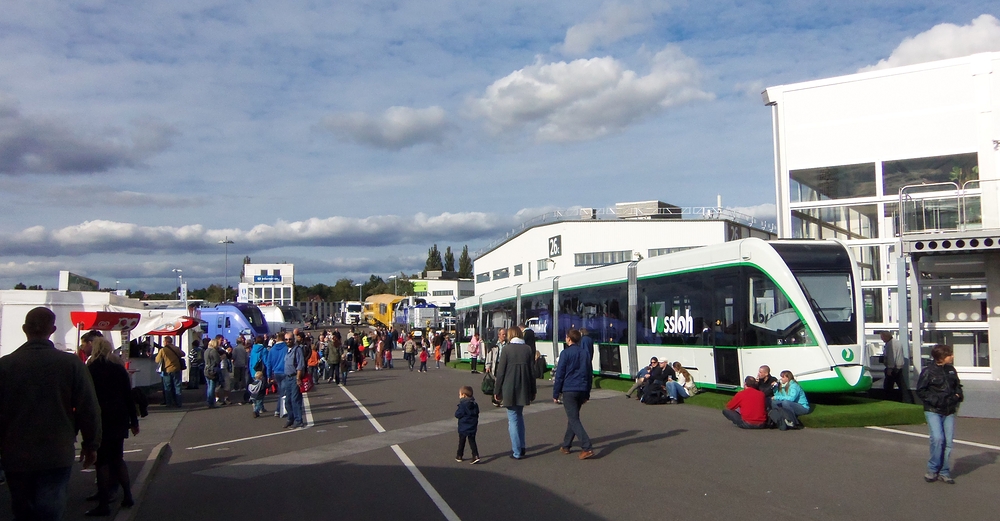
{"points": [[721, 311]]}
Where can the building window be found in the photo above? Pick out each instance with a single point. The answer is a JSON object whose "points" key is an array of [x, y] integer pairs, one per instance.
{"points": [[543, 265], [419, 293], [483, 277], [466, 293], [832, 182], [277, 273], [956, 169], [263, 273], [666, 251], [850, 222], [518, 270], [501, 273], [442, 293], [600, 258]]}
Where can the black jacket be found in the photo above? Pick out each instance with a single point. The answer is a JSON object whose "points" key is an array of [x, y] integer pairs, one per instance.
{"points": [[767, 386], [468, 416], [940, 389]]}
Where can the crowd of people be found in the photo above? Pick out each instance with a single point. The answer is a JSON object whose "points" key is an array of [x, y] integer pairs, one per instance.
{"points": [[48, 397]]}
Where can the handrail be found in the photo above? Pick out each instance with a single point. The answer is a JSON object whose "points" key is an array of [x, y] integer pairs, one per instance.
{"points": [[580, 213]]}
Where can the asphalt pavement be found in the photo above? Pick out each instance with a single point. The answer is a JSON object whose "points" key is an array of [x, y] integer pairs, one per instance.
{"points": [[396, 458]]}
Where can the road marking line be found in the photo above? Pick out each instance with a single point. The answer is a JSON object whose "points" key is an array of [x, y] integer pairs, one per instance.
{"points": [[364, 410], [130, 451], [439, 501], [308, 410], [927, 436], [248, 438], [429, 489]]}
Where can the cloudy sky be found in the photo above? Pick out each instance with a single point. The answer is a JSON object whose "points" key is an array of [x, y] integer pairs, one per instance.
{"points": [[347, 137]]}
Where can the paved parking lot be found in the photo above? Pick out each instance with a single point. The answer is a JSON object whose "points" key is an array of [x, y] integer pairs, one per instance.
{"points": [[651, 461]]}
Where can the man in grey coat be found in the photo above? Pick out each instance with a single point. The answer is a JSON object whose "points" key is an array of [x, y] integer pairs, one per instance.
{"points": [[515, 387]]}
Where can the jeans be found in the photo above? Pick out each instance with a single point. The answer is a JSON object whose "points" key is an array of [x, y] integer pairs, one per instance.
{"points": [[412, 360], [515, 427], [797, 408], [172, 388], [737, 420], [942, 433], [258, 405], [572, 401], [38, 495], [676, 390], [293, 397], [343, 377], [210, 391], [238, 382], [474, 361]]}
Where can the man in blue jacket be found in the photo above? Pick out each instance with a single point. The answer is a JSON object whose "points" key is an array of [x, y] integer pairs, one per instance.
{"points": [[574, 379], [295, 370], [275, 362]]}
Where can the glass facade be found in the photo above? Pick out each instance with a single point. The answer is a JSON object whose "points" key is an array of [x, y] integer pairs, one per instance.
{"points": [[870, 220]]}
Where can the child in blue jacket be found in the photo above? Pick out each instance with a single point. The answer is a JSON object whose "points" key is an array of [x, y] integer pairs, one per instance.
{"points": [[468, 423]]}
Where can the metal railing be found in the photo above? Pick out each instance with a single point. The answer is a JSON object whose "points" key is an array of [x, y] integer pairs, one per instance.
{"points": [[941, 207], [586, 214]]}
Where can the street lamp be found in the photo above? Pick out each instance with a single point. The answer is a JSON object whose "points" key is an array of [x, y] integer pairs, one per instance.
{"points": [[359, 292], [180, 283], [117, 282], [225, 289], [393, 277]]}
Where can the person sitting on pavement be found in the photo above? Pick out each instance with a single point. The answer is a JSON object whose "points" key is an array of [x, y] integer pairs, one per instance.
{"points": [[746, 409], [791, 399], [640, 378]]}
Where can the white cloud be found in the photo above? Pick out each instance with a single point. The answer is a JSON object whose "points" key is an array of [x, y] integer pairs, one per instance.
{"points": [[588, 98], [615, 21], [945, 41], [127, 238], [394, 129], [32, 144], [766, 212]]}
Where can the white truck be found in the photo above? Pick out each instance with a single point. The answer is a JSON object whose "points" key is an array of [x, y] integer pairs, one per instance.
{"points": [[353, 312]]}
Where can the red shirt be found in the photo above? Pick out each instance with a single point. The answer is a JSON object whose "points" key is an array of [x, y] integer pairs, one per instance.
{"points": [[750, 403], [423, 355]]}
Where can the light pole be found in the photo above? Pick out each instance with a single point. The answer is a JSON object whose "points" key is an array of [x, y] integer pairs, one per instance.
{"points": [[359, 292], [180, 283], [116, 285], [225, 289], [393, 277]]}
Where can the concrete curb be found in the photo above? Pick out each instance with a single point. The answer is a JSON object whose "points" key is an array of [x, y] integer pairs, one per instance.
{"points": [[160, 453]]}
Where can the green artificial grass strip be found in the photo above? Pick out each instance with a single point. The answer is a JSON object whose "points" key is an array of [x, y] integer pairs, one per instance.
{"points": [[829, 410]]}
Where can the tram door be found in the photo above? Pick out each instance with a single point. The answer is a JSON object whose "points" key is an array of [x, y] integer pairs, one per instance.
{"points": [[726, 331]]}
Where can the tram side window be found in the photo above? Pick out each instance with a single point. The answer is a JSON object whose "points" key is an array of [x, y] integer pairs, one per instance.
{"points": [[773, 320], [499, 315], [601, 310], [690, 309], [469, 320], [537, 311]]}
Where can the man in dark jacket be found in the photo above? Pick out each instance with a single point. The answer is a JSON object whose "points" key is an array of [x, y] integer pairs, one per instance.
{"points": [[46, 396], [941, 391], [574, 378], [515, 387], [766, 383]]}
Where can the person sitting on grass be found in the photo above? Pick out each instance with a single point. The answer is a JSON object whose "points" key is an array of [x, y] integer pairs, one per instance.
{"points": [[791, 399], [641, 376], [746, 409], [683, 386]]}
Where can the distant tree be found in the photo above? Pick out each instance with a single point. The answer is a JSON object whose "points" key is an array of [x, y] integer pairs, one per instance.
{"points": [[449, 259], [37, 287], [433, 260], [343, 290], [403, 285], [20, 285], [137, 294], [465, 264]]}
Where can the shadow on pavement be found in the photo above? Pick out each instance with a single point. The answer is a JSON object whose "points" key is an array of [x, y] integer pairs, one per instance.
{"points": [[969, 464]]}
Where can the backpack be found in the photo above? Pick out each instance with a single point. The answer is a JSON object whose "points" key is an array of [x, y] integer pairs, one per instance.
{"points": [[655, 394]]}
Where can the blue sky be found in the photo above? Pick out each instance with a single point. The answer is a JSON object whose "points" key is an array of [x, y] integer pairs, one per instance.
{"points": [[347, 138]]}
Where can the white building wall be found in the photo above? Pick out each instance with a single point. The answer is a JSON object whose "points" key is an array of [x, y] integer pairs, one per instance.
{"points": [[941, 108], [444, 292], [261, 284], [637, 236]]}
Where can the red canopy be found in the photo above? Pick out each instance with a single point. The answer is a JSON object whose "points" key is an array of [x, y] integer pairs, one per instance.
{"points": [[177, 327], [105, 320]]}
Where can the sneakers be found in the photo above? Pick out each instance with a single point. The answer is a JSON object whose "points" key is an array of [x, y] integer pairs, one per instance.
{"points": [[565, 450], [475, 459], [930, 478], [256, 414], [458, 460], [586, 454], [946, 479]]}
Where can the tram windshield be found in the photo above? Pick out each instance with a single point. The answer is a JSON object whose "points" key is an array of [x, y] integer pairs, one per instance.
{"points": [[253, 316], [823, 271]]}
